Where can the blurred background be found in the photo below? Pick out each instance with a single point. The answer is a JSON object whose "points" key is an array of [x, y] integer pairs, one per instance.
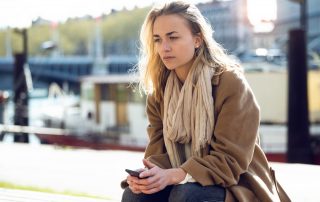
{"points": [[67, 73]]}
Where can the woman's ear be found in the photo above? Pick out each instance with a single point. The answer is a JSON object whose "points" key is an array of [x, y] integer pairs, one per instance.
{"points": [[198, 40]]}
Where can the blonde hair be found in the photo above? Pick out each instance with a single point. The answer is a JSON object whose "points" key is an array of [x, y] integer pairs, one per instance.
{"points": [[153, 73]]}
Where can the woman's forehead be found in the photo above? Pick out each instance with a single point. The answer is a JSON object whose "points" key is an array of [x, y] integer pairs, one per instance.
{"points": [[169, 23]]}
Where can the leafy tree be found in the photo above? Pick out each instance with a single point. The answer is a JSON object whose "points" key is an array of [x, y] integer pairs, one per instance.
{"points": [[119, 30], [36, 36], [2, 42]]}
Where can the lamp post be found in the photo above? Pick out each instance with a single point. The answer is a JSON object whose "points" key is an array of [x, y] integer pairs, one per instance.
{"points": [[299, 146], [20, 88]]}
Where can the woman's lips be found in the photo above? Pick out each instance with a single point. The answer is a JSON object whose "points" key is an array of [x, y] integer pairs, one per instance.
{"points": [[167, 58]]}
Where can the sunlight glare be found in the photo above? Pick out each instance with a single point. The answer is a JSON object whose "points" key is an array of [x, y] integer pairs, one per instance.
{"points": [[262, 14]]}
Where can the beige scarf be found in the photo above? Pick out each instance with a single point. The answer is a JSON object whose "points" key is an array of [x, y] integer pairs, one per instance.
{"points": [[188, 113]]}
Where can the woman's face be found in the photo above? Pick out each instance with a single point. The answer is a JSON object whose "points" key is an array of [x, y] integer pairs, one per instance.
{"points": [[174, 41]]}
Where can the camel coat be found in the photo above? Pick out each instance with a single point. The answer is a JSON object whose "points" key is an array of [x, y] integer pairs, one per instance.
{"points": [[234, 158]]}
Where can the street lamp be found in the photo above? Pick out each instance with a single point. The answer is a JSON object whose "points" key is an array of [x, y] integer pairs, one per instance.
{"points": [[299, 143], [21, 85]]}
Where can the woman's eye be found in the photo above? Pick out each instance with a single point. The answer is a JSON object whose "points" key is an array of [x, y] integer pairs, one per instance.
{"points": [[156, 40], [173, 37]]}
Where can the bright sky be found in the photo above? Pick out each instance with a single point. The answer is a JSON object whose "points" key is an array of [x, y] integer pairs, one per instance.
{"points": [[262, 13], [20, 13]]}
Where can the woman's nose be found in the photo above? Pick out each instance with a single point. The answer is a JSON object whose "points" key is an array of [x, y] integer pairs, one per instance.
{"points": [[166, 46]]}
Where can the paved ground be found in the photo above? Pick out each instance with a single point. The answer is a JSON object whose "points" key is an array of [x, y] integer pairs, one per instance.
{"points": [[14, 195], [88, 171], [100, 172]]}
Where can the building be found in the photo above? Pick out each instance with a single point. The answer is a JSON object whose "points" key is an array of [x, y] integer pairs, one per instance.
{"points": [[289, 18], [234, 32], [229, 21]]}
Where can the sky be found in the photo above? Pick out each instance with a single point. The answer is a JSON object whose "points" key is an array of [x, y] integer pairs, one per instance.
{"points": [[20, 13], [262, 9]]}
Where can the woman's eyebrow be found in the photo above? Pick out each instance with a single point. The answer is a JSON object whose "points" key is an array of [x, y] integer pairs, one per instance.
{"points": [[168, 34]]}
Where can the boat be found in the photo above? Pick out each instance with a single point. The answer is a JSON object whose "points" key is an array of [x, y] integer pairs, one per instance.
{"points": [[109, 115], [113, 114]]}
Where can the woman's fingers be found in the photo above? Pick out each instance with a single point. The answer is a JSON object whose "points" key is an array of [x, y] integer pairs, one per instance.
{"points": [[131, 178], [152, 184], [154, 179], [150, 172], [148, 181], [153, 188], [134, 190], [134, 187], [148, 164]]}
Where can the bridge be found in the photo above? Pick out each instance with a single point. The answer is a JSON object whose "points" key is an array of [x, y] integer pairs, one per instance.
{"points": [[46, 70]]}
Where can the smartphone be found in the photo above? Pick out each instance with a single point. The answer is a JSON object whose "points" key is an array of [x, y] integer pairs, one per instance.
{"points": [[133, 172]]}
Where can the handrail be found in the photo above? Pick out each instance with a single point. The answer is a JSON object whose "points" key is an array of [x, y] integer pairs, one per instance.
{"points": [[32, 129]]}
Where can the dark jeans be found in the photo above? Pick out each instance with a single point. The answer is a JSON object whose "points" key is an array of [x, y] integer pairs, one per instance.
{"points": [[189, 192]]}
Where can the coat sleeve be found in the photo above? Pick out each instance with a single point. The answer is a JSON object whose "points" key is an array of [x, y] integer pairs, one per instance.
{"points": [[156, 151], [235, 134]]}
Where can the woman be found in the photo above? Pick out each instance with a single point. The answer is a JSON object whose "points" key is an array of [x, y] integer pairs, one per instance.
{"points": [[203, 117]]}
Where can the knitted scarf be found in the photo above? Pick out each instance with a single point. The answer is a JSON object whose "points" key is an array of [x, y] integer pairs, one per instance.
{"points": [[188, 112]]}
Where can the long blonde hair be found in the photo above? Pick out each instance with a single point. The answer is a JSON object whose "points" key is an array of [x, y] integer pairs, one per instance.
{"points": [[153, 73]]}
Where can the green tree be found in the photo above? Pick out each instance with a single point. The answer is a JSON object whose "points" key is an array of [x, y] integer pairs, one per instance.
{"points": [[74, 34], [36, 36], [2, 42], [119, 30]]}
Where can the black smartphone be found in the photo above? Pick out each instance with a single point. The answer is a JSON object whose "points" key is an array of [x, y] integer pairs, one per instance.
{"points": [[133, 173]]}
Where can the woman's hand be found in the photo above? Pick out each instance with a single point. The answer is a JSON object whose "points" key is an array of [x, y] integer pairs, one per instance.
{"points": [[131, 180], [155, 178], [134, 187]]}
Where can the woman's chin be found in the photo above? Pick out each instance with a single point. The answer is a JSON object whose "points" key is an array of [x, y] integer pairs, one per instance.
{"points": [[170, 66]]}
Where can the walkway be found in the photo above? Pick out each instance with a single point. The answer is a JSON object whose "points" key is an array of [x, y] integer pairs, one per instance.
{"points": [[99, 173], [13, 195]]}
